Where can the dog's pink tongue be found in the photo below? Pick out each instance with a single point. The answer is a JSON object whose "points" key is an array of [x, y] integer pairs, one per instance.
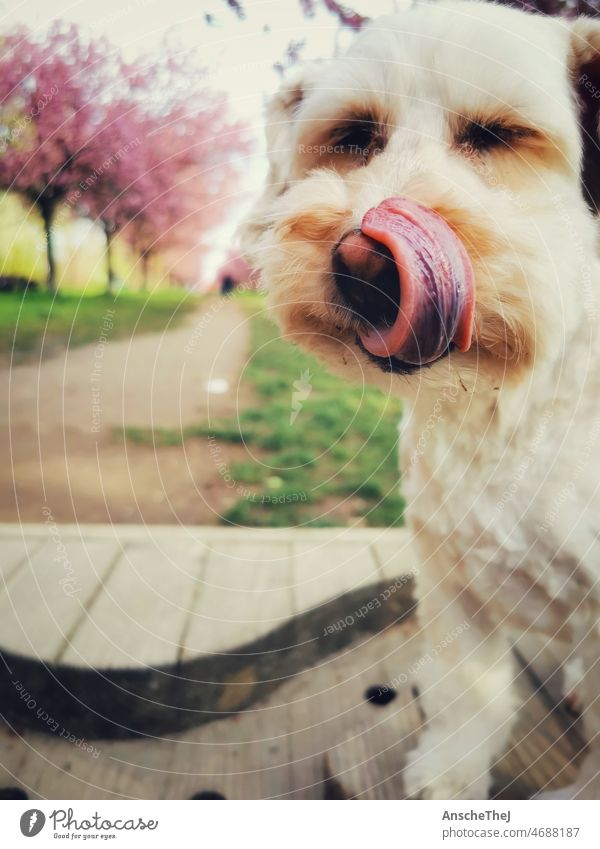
{"points": [[436, 283]]}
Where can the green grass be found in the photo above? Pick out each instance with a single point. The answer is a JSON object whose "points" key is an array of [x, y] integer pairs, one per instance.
{"points": [[336, 461], [39, 321]]}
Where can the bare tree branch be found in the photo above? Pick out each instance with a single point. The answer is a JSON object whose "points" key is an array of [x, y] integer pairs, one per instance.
{"points": [[237, 8], [347, 17]]}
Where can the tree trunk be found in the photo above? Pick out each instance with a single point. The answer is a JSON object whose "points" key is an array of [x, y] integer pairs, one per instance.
{"points": [[109, 232], [145, 263], [47, 211]]}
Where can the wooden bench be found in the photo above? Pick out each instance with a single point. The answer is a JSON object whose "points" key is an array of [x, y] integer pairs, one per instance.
{"points": [[122, 646]]}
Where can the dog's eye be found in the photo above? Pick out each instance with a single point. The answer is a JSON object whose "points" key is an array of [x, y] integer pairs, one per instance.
{"points": [[481, 137], [358, 139]]}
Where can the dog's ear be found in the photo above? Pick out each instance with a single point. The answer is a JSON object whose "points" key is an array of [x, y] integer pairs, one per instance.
{"points": [[585, 70], [280, 117]]}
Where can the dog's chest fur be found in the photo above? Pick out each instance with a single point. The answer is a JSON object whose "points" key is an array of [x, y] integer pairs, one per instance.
{"points": [[506, 499]]}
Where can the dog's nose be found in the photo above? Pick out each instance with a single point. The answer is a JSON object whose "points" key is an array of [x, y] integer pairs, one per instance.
{"points": [[366, 276]]}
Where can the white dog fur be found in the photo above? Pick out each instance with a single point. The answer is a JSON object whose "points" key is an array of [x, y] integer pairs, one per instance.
{"points": [[500, 447]]}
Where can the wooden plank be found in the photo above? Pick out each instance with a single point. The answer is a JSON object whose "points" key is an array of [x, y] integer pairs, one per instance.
{"points": [[262, 770], [208, 759], [15, 753], [543, 753], [316, 725], [49, 594], [15, 552], [367, 762], [320, 568], [48, 762], [309, 736], [255, 597], [546, 745], [324, 570], [246, 592], [203, 533], [261, 753], [395, 554], [138, 618]]}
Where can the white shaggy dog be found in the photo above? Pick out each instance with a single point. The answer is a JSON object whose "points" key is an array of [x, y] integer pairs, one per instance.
{"points": [[428, 226]]}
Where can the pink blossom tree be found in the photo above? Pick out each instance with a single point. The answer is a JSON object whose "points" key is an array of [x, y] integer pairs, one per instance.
{"points": [[52, 97], [189, 177], [172, 154], [111, 188], [142, 147]]}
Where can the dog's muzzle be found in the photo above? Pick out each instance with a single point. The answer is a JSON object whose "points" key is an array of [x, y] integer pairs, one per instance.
{"points": [[406, 276]]}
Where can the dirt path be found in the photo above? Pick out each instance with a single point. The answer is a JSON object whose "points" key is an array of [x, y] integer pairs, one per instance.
{"points": [[61, 448]]}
